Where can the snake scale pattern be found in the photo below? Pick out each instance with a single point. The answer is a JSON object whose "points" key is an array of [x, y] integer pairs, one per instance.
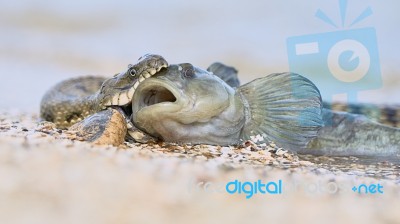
{"points": [[75, 99]]}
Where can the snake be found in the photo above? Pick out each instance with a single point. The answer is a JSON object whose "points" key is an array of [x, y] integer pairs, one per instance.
{"points": [[73, 100]]}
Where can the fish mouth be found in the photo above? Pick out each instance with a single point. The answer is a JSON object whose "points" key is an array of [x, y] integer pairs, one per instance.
{"points": [[155, 92]]}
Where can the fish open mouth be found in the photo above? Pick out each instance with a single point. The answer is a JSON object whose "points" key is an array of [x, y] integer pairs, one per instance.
{"points": [[154, 92], [155, 95]]}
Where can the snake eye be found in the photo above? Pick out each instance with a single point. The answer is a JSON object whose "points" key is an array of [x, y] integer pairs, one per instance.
{"points": [[132, 72]]}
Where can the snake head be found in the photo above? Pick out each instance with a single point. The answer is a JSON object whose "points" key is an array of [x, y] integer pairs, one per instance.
{"points": [[119, 90]]}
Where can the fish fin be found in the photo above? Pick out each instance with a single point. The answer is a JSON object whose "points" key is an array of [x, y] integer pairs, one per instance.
{"points": [[285, 108], [226, 73]]}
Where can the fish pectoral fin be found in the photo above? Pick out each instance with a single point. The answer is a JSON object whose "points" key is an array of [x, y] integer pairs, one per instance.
{"points": [[226, 73], [284, 108]]}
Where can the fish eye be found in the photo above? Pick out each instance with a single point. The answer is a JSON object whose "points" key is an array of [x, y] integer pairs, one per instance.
{"points": [[188, 73], [187, 70]]}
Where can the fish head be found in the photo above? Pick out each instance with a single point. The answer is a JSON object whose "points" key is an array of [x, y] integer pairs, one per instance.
{"points": [[182, 104]]}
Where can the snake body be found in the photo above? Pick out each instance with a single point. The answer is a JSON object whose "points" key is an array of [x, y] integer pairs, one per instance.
{"points": [[385, 114], [71, 101], [75, 99]]}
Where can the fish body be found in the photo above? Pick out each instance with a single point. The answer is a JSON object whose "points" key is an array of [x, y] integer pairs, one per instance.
{"points": [[186, 104]]}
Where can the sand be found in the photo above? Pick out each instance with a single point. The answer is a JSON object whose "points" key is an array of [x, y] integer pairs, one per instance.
{"points": [[48, 178]]}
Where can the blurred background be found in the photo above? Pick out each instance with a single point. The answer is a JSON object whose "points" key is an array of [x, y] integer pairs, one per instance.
{"points": [[44, 42]]}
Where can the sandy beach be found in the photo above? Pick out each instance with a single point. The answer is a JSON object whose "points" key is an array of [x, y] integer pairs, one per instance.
{"points": [[48, 178]]}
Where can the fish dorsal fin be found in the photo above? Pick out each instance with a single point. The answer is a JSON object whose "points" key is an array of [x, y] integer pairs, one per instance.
{"points": [[226, 73], [285, 108]]}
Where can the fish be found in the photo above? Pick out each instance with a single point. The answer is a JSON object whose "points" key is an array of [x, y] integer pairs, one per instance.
{"points": [[186, 104]]}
